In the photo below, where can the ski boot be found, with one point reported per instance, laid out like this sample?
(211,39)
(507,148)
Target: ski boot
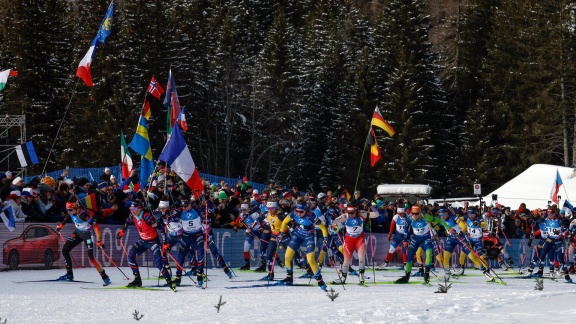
(404,279)
(137,282)
(510,261)
(199,279)
(261,268)
(192,272)
(177,280)
(503,265)
(171,284)
(340,280)
(228,272)
(288,281)
(420,272)
(67,277)
(568,279)
(309,274)
(486,273)
(384,265)
(352,271)
(268,277)
(321,284)
(427,275)
(362,281)
(246,266)
(105,278)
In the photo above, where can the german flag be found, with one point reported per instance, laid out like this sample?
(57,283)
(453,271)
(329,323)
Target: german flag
(375,153)
(378,121)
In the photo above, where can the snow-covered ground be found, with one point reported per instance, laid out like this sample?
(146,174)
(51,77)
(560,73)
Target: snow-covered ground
(470,299)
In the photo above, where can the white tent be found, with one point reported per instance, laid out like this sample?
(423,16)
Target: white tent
(534,187)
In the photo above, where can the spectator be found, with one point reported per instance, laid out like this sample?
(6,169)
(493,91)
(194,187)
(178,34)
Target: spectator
(106,175)
(113,181)
(28,206)
(15,200)
(5,191)
(17,184)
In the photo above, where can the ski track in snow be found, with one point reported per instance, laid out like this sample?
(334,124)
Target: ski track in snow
(475,300)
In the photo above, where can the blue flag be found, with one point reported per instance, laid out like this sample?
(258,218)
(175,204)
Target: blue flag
(106,25)
(8,221)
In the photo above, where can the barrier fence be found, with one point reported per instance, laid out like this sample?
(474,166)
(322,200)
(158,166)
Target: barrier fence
(93,174)
(38,245)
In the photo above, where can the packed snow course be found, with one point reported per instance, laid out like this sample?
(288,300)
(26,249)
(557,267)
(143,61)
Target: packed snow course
(470,298)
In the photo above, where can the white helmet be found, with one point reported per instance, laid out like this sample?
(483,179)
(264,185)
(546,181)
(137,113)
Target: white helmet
(321,196)
(271,204)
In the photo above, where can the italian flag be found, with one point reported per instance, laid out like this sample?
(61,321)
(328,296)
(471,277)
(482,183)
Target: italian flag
(125,157)
(4,77)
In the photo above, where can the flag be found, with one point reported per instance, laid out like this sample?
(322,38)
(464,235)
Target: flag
(182,120)
(26,154)
(378,121)
(4,77)
(83,71)
(155,89)
(8,221)
(146,168)
(375,153)
(125,157)
(171,102)
(556,188)
(146,112)
(141,142)
(91,176)
(568,209)
(90,202)
(177,155)
(348,196)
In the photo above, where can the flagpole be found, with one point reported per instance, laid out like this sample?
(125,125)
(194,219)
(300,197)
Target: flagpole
(60,127)
(361,160)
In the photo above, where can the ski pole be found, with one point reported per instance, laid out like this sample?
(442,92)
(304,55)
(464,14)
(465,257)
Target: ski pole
(112,261)
(481,259)
(337,272)
(123,247)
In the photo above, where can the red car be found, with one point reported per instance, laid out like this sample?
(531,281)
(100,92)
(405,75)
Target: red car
(38,244)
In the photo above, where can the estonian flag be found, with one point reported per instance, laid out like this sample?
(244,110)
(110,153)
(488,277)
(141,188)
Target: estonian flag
(8,221)
(26,154)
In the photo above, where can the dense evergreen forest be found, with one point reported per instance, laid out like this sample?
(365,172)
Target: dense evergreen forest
(285,90)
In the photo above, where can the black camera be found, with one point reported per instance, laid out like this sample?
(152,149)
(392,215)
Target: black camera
(494,197)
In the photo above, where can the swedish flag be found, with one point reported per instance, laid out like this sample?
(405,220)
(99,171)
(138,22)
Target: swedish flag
(141,142)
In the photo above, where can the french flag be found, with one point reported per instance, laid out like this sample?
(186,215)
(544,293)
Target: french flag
(83,71)
(556,188)
(177,155)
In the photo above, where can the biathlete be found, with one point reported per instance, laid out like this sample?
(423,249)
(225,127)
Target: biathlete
(85,225)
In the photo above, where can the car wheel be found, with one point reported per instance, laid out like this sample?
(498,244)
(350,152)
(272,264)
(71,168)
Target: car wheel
(48,259)
(13,260)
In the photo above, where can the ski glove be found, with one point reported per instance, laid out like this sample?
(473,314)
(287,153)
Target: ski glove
(101,245)
(529,243)
(166,246)
(59,227)
(120,233)
(405,243)
(390,237)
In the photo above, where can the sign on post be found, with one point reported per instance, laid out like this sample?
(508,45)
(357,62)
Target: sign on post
(477,189)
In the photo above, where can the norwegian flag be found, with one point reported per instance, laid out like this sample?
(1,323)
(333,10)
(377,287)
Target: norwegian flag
(155,89)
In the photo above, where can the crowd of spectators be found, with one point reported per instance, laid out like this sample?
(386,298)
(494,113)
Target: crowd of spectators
(43,200)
